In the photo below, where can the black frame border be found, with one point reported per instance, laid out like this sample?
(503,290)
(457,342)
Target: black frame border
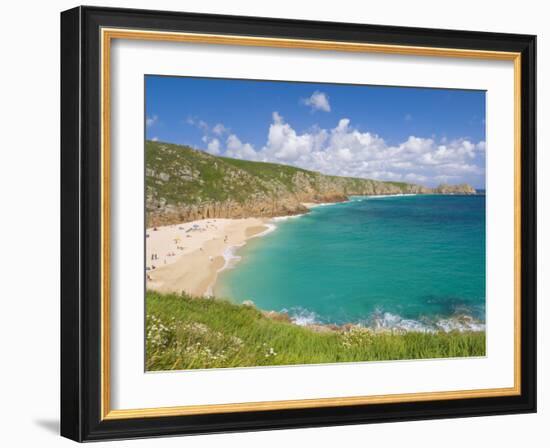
(81,223)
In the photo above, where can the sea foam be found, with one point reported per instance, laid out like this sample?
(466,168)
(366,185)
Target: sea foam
(270,228)
(285,218)
(376,196)
(391,321)
(229,254)
(301,316)
(385,321)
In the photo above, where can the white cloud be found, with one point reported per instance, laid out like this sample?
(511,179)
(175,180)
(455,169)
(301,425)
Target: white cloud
(238,150)
(284,144)
(150,121)
(346,151)
(415,178)
(155,139)
(213,147)
(200,124)
(317,101)
(219,129)
(480,147)
(210,135)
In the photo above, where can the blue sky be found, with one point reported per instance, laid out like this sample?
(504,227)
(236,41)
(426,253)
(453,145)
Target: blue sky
(427,136)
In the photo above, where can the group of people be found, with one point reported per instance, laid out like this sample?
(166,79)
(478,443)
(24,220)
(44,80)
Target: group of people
(179,247)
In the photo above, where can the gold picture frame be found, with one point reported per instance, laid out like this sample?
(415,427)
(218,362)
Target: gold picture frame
(106,32)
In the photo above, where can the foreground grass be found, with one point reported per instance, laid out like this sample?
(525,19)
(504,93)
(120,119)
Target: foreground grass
(194,333)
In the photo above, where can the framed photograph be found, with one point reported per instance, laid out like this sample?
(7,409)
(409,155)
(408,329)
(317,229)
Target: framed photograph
(277,224)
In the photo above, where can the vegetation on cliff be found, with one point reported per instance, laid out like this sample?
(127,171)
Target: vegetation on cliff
(183,332)
(183,184)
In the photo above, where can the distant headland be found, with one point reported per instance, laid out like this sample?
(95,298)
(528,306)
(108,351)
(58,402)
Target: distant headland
(184,184)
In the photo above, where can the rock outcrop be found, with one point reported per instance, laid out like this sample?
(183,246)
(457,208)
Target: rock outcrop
(454,189)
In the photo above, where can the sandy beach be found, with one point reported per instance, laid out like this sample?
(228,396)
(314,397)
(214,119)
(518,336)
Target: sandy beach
(187,257)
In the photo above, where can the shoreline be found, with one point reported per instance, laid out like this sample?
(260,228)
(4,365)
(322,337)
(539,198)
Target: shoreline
(231,259)
(191,256)
(386,322)
(188,257)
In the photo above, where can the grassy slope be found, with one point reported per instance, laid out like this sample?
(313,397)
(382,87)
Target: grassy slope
(196,177)
(189,333)
(270,172)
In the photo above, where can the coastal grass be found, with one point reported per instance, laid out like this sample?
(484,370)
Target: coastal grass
(177,174)
(184,332)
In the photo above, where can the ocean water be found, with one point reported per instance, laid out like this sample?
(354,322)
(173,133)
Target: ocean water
(411,262)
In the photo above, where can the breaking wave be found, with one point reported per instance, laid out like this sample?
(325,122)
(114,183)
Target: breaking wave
(391,321)
(375,196)
(301,316)
(385,321)
(285,218)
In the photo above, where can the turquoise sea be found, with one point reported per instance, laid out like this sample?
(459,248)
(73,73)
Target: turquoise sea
(410,262)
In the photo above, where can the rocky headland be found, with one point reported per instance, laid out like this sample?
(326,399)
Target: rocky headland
(183,184)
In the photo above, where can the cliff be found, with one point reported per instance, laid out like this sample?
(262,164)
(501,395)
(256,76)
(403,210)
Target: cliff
(454,189)
(183,184)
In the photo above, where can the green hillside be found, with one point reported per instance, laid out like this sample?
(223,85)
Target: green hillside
(184,184)
(183,332)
